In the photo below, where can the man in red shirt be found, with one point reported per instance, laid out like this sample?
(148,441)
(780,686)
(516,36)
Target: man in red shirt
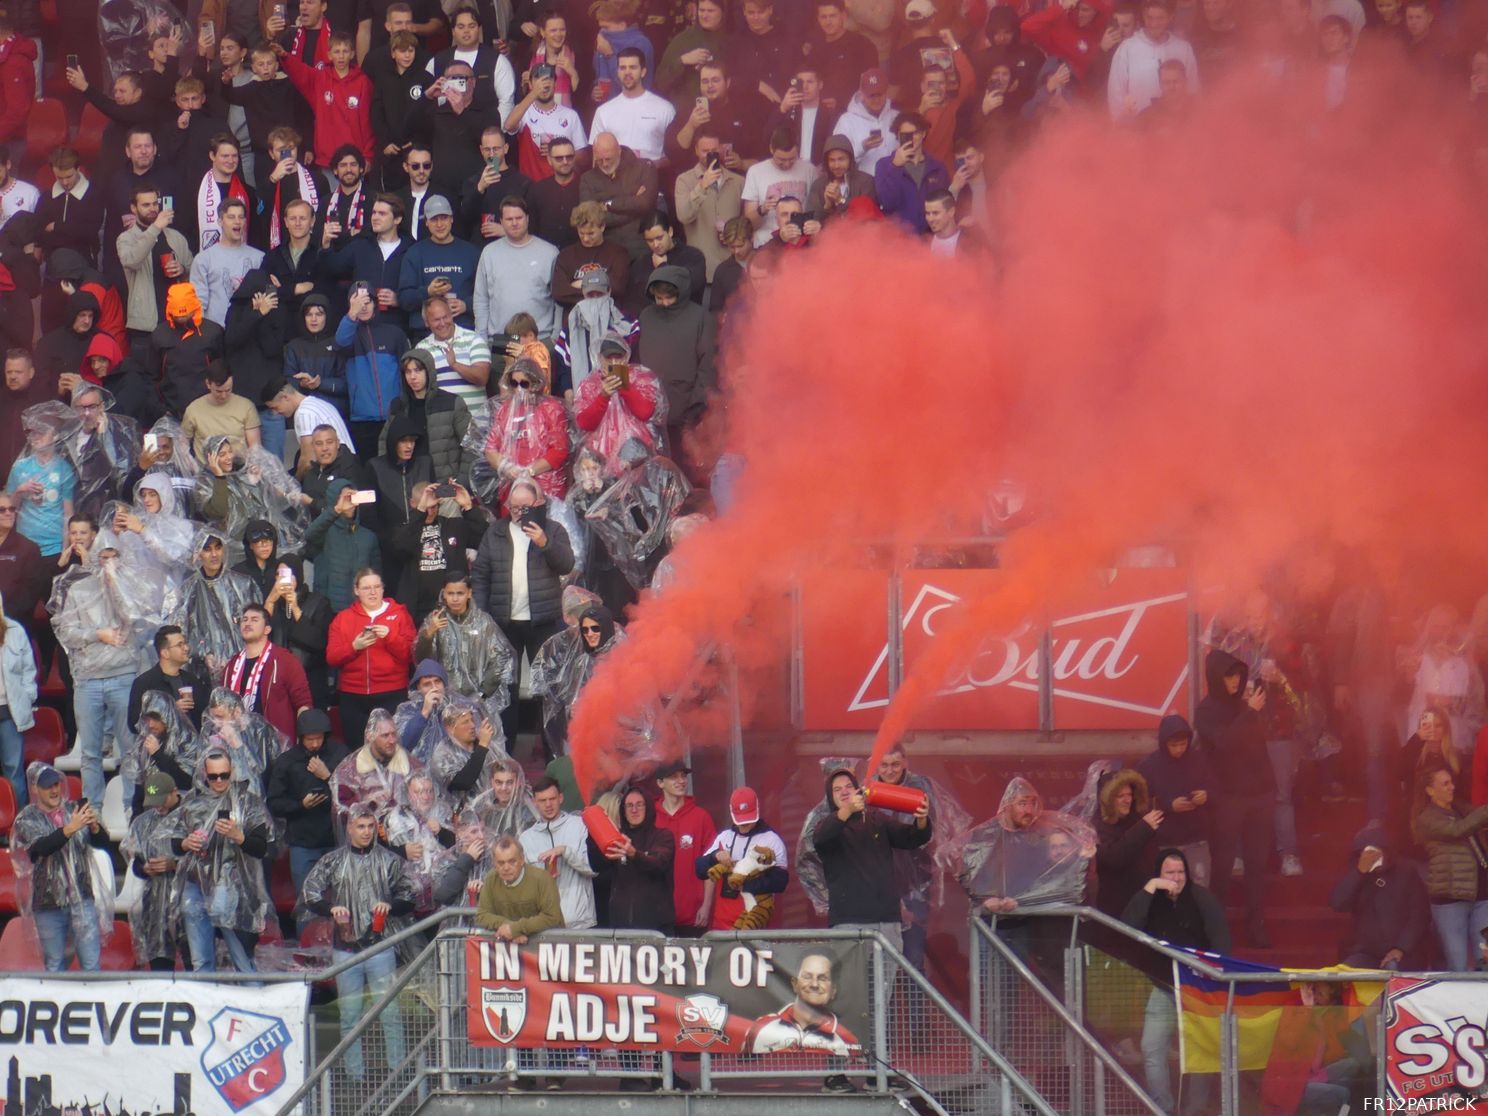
(270,679)
(693,831)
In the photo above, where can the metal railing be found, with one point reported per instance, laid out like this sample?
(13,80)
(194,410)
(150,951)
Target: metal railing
(918,1044)
(1072,987)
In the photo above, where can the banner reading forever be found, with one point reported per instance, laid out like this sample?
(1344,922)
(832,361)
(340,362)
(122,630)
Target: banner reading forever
(726,997)
(151,1046)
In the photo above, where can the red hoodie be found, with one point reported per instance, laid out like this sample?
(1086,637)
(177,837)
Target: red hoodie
(342,107)
(110,311)
(1057,32)
(104,346)
(17,85)
(693,831)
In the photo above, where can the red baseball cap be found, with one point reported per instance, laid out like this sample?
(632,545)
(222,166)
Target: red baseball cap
(873,81)
(744,806)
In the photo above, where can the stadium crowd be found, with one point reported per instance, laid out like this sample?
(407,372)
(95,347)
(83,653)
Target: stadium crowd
(368,359)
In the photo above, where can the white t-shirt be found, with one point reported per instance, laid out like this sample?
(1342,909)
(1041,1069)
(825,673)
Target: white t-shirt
(767,182)
(17,197)
(945,245)
(559,121)
(639,123)
(521,604)
(313,412)
(810,118)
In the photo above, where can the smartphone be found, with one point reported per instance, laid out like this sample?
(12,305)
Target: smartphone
(714,160)
(623,371)
(167,201)
(82,802)
(223,815)
(797,219)
(152,442)
(876,134)
(960,163)
(361,286)
(458,84)
(444,491)
(702,102)
(368,630)
(795,84)
(364,496)
(73,63)
(286,575)
(278,11)
(494,162)
(283,153)
(211,30)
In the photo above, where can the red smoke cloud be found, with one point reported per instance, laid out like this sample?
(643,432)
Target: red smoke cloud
(1247,339)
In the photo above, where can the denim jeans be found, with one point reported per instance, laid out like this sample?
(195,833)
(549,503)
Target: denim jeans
(12,755)
(1285,756)
(357,989)
(301,860)
(201,936)
(1159,1028)
(101,705)
(57,928)
(271,431)
(1459,926)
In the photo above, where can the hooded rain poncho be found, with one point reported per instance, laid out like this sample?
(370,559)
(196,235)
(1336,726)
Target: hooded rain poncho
(620,424)
(359,879)
(565,663)
(110,594)
(104,458)
(477,655)
(633,517)
(448,759)
(231,881)
(69,879)
(155,921)
(210,607)
(164,541)
(521,426)
(499,818)
(258,488)
(251,742)
(363,777)
(1042,863)
(178,741)
(420,815)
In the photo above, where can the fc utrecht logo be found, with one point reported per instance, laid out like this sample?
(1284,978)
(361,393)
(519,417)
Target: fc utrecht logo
(504,1010)
(244,1061)
(702,1018)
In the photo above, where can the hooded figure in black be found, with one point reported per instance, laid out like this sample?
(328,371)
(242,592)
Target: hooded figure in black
(394,473)
(857,854)
(1006,47)
(18,240)
(1176,911)
(1232,736)
(641,875)
(677,343)
(1389,905)
(261,570)
(253,342)
(1183,786)
(74,267)
(311,361)
(63,349)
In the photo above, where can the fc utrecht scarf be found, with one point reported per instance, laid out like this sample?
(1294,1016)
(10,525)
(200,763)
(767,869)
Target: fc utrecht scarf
(255,676)
(209,207)
(322,57)
(307,193)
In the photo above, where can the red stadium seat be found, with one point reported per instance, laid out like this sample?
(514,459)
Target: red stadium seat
(117,955)
(7,808)
(75,788)
(45,740)
(9,903)
(89,137)
(42,178)
(281,887)
(334,712)
(20,952)
(46,128)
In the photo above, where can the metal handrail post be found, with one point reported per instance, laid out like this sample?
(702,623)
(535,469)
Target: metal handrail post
(798,662)
(975,991)
(880,1021)
(894,668)
(1046,681)
(1229,1057)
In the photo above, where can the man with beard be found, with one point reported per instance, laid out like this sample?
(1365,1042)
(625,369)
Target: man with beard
(299,791)
(269,679)
(346,210)
(376,772)
(23,387)
(212,599)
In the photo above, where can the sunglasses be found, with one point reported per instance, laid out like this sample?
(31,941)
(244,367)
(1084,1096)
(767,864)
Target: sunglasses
(218,776)
(590,628)
(521,383)
(420,166)
(563,158)
(7,509)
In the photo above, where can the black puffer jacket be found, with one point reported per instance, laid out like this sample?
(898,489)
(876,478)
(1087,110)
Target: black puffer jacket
(545,566)
(442,418)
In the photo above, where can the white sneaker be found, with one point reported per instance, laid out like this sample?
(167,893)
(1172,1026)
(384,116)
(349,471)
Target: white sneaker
(1238,870)
(1290,865)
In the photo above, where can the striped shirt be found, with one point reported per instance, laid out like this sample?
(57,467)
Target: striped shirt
(470,348)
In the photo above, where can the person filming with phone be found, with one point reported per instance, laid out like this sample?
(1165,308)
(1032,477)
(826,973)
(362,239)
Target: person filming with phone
(908,176)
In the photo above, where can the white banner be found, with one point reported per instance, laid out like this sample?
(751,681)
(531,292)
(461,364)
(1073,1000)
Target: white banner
(158,1046)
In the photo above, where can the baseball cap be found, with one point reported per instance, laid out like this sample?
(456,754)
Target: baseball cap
(873,82)
(49,778)
(837,143)
(744,806)
(312,721)
(258,531)
(595,279)
(543,70)
(667,770)
(437,206)
(158,788)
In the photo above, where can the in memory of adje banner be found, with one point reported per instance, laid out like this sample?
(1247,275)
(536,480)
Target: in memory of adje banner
(726,997)
(151,1046)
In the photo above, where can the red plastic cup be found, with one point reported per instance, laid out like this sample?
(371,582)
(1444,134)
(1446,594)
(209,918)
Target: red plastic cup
(379,920)
(891,796)
(472,893)
(166,260)
(553,867)
(600,828)
(604,88)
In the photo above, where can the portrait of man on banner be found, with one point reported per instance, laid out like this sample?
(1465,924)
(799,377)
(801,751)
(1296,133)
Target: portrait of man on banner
(807,1022)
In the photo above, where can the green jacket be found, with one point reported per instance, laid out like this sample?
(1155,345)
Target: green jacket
(339,547)
(530,905)
(1452,870)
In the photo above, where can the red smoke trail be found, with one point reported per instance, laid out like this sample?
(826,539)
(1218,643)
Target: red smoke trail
(1249,340)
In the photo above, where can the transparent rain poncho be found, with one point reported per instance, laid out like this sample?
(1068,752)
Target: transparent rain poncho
(634,515)
(666,569)
(564,664)
(364,777)
(920,873)
(210,607)
(250,740)
(589,484)
(110,594)
(620,424)
(1086,804)
(155,921)
(359,879)
(163,540)
(504,808)
(102,458)
(1039,863)
(417,820)
(69,879)
(258,487)
(176,462)
(162,723)
(476,655)
(231,882)
(521,426)
(448,758)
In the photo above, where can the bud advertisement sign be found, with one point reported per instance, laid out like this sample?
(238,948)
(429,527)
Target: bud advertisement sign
(725,997)
(1436,1044)
(118,1047)
(1119,653)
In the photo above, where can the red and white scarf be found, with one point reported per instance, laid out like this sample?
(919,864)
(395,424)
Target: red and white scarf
(234,676)
(322,57)
(209,207)
(307,193)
